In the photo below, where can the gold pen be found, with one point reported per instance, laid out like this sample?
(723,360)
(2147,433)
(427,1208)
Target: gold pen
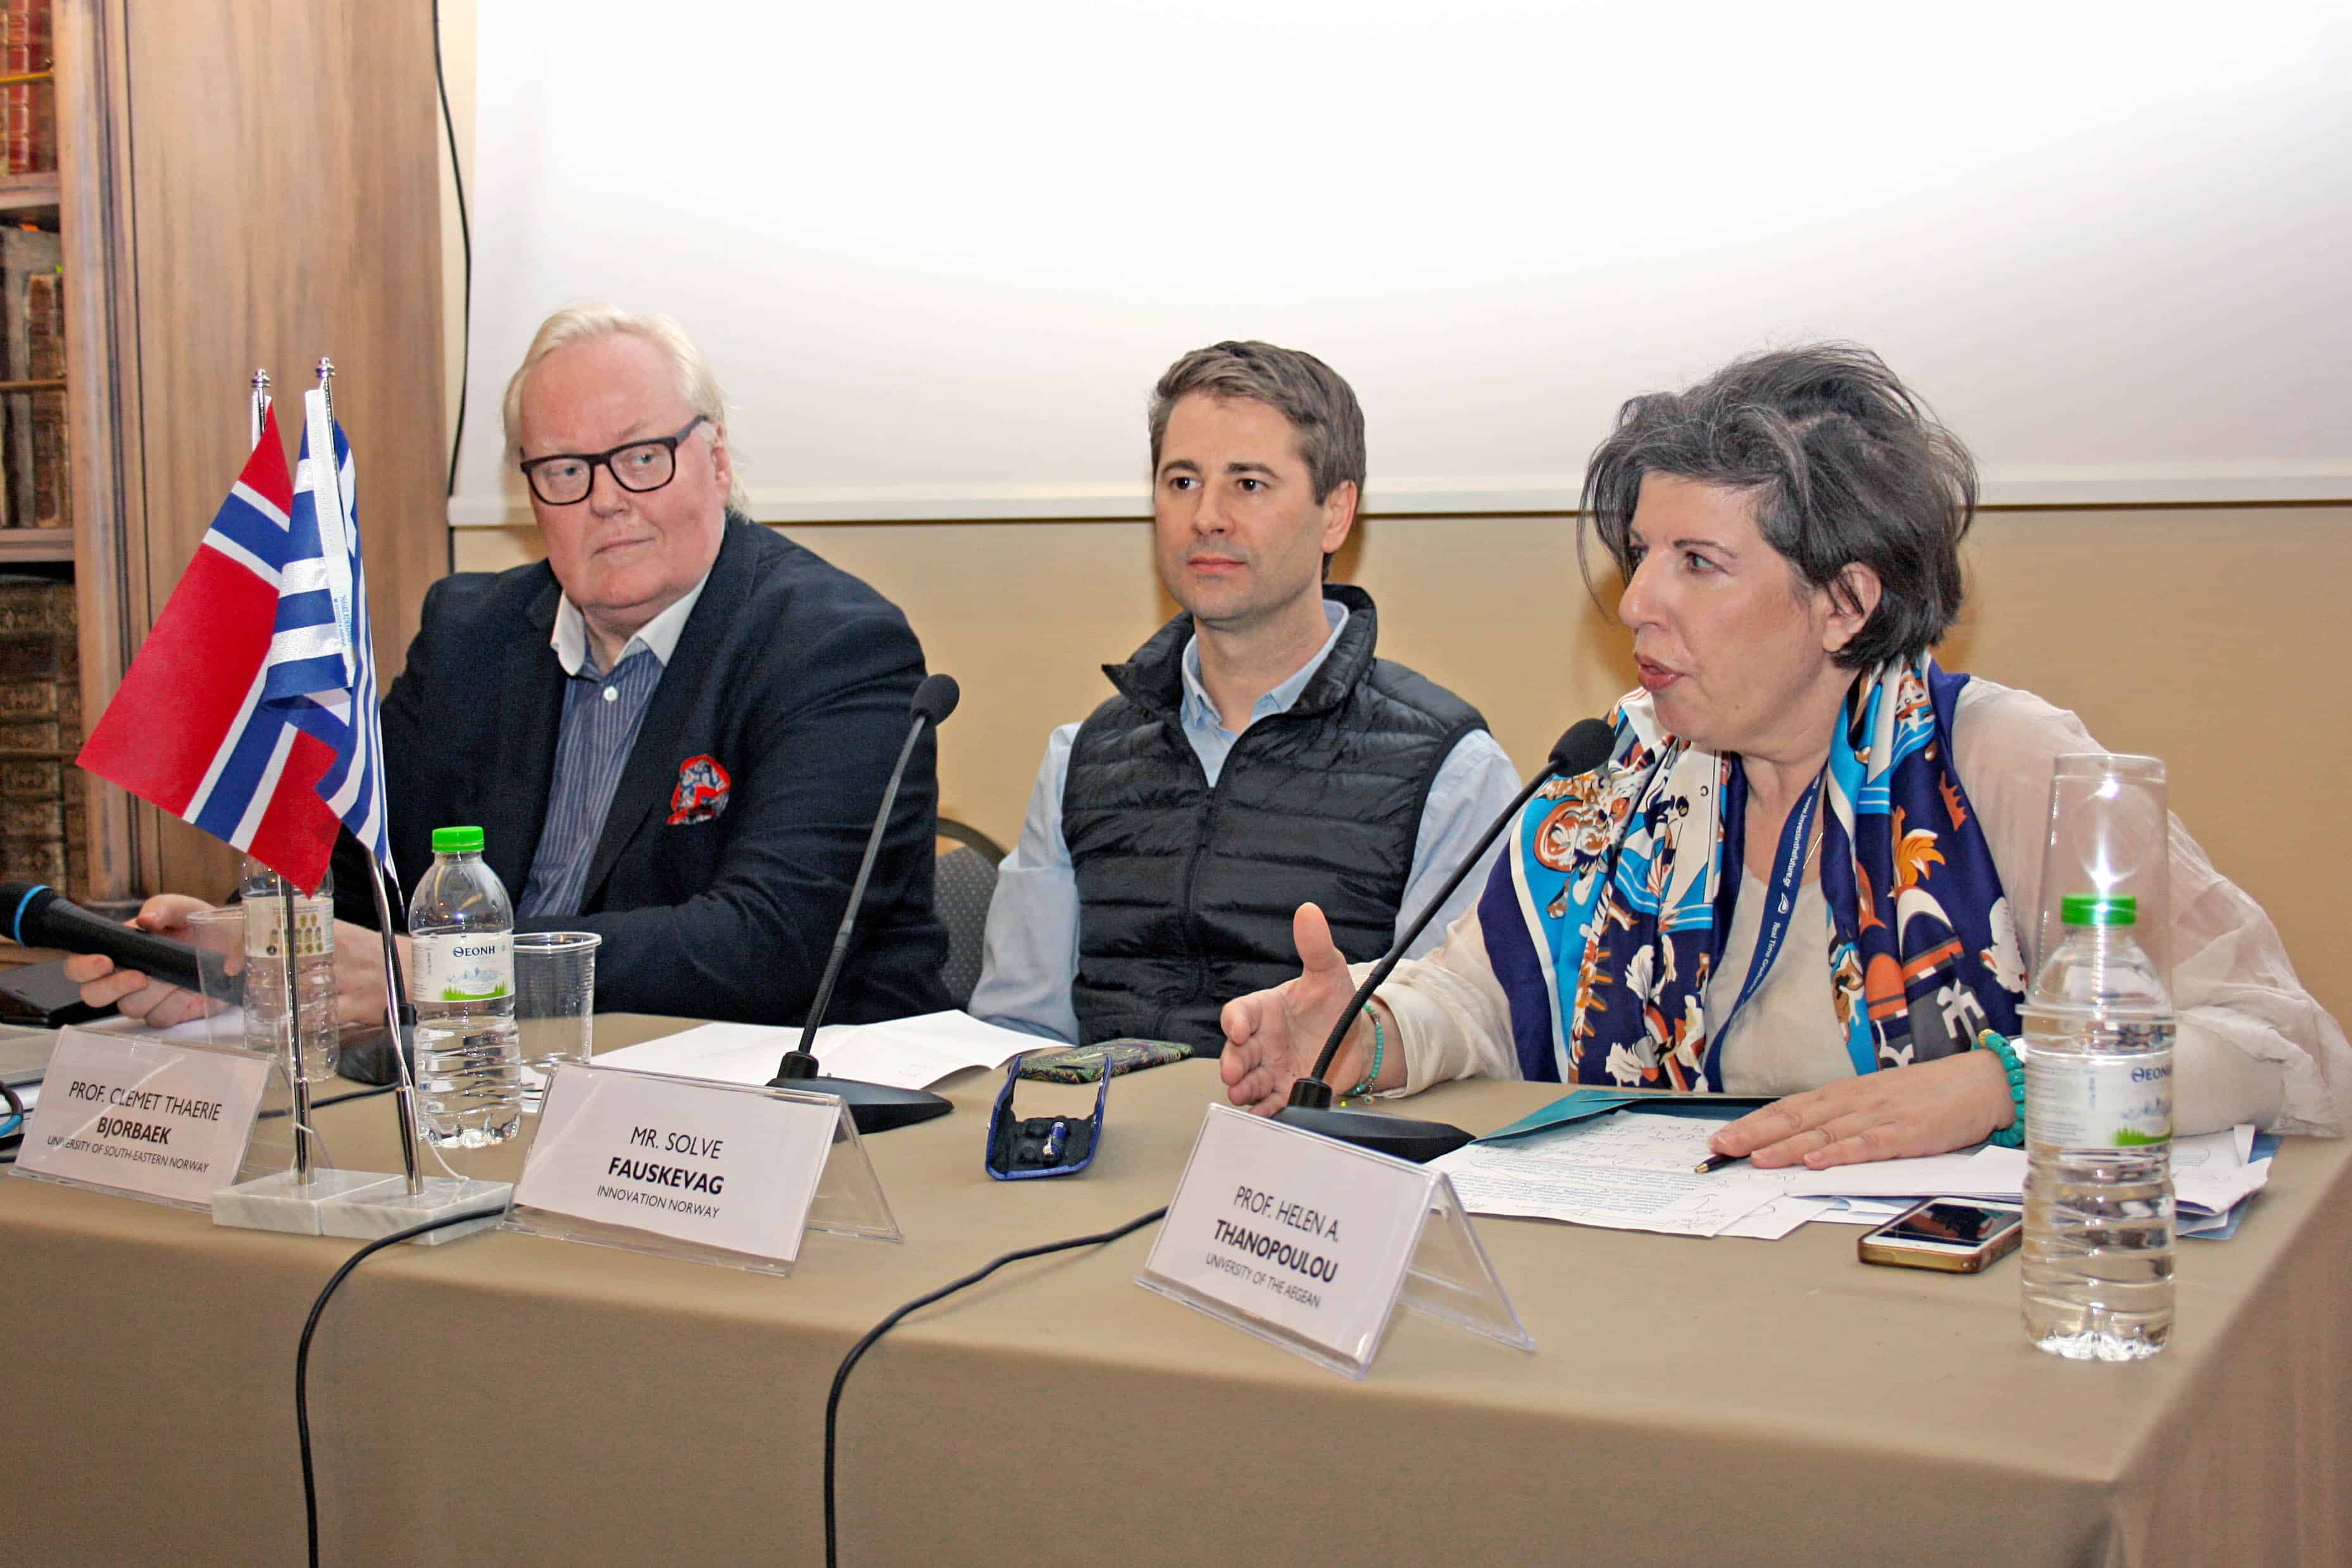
(1714,1163)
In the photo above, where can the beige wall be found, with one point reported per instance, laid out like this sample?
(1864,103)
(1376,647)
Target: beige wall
(2192,635)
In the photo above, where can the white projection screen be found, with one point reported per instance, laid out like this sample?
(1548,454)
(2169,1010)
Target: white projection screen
(939,252)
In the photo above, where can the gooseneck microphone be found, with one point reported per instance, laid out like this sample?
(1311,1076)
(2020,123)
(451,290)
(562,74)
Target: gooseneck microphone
(1584,748)
(38,916)
(874,1107)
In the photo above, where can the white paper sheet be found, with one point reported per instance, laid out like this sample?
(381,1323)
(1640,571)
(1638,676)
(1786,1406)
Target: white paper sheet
(1936,1175)
(1623,1172)
(1634,1172)
(2210,1173)
(905,1053)
(1781,1217)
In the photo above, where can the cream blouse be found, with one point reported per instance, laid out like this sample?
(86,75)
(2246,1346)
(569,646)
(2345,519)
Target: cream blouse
(2253,1046)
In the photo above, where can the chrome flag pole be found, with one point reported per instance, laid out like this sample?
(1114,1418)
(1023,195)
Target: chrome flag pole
(288,939)
(399,1017)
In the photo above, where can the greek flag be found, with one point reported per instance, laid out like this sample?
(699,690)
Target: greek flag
(320,674)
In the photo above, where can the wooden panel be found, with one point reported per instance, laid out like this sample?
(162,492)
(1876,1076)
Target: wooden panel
(286,206)
(103,376)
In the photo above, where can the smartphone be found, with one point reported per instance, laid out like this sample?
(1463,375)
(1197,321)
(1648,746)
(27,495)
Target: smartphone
(1086,1063)
(1957,1235)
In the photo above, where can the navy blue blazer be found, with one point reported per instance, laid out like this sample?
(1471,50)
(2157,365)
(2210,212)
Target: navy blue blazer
(716,889)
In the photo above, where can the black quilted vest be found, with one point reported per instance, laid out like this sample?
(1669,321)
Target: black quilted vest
(1185,892)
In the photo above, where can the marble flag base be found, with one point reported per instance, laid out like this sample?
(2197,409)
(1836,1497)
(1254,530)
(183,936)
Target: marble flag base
(285,1203)
(384,1209)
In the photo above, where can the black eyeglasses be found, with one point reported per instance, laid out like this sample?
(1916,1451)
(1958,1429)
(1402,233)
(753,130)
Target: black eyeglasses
(565,479)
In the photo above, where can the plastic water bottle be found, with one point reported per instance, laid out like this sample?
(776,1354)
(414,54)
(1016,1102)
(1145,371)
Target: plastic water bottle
(461,937)
(265,948)
(2098,1132)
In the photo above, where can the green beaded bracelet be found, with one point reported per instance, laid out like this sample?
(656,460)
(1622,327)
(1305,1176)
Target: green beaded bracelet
(1380,1050)
(2014,1135)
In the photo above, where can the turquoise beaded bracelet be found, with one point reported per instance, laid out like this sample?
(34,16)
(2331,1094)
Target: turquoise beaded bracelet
(1380,1050)
(2014,1135)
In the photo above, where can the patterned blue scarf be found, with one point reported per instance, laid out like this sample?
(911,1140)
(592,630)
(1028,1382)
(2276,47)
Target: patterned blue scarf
(1604,917)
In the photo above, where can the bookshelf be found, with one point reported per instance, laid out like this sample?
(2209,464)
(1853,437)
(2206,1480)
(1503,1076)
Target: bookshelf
(241,183)
(43,801)
(30,193)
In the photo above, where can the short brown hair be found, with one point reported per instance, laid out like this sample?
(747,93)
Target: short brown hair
(1319,405)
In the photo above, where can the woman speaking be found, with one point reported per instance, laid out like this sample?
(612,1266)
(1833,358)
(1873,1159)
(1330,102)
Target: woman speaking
(1718,909)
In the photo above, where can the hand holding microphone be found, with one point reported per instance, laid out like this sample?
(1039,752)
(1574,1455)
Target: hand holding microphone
(109,973)
(129,991)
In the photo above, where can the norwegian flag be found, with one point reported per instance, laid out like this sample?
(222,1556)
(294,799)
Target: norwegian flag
(196,726)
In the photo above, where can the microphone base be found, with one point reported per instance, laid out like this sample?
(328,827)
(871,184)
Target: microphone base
(1401,1137)
(874,1107)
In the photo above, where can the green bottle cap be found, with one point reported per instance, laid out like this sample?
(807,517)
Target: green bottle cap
(2074,909)
(468,841)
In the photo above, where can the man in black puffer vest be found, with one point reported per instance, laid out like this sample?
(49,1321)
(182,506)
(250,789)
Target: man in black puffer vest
(1256,755)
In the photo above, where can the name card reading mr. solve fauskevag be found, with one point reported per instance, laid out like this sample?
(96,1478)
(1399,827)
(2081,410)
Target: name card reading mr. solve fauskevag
(1310,1244)
(152,1118)
(714,1172)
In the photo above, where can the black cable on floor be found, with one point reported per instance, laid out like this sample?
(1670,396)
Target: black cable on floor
(466,242)
(302,1359)
(841,1375)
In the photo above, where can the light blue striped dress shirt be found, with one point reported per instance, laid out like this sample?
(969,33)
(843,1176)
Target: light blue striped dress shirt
(601,715)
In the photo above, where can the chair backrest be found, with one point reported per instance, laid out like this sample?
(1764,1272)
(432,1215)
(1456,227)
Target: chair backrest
(951,831)
(961,885)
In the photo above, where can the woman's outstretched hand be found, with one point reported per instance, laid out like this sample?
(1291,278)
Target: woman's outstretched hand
(1273,1037)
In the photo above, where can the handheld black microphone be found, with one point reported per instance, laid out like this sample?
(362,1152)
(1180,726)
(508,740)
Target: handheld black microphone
(1584,748)
(41,916)
(874,1107)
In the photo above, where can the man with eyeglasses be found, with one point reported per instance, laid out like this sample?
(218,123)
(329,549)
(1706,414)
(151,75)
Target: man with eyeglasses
(674,732)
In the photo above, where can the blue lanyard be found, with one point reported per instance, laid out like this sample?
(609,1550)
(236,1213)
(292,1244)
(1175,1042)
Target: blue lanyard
(1780,904)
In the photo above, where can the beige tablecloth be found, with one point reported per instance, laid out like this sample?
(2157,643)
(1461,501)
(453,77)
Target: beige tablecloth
(510,1398)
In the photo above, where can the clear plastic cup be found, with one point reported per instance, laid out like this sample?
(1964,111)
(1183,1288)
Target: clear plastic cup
(555,993)
(222,931)
(2110,835)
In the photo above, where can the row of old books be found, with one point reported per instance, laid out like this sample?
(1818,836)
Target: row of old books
(35,492)
(44,819)
(28,116)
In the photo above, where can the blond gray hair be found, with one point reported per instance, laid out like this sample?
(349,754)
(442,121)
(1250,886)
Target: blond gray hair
(587,323)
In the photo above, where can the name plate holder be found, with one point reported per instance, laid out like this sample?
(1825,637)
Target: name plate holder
(1311,1244)
(161,1121)
(724,1174)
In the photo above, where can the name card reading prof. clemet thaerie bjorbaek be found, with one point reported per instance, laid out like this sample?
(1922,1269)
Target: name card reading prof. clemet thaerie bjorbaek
(145,1116)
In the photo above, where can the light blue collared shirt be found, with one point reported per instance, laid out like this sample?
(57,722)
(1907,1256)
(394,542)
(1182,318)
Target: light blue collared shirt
(1032,953)
(602,711)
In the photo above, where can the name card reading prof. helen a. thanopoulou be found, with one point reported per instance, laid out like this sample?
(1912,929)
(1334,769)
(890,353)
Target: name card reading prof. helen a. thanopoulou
(1311,1244)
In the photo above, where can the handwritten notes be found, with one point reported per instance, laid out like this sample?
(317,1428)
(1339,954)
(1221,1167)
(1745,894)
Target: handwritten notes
(1624,1172)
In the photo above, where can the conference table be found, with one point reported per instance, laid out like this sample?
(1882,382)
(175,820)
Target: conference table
(511,1398)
